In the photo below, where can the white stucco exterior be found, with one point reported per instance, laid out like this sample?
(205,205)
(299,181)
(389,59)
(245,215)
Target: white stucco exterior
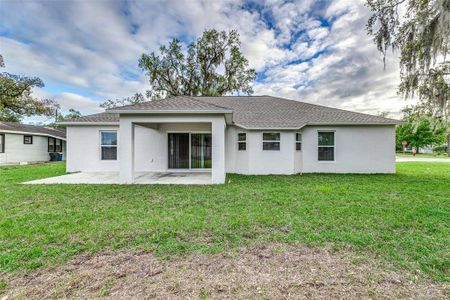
(18,152)
(143,147)
(358,149)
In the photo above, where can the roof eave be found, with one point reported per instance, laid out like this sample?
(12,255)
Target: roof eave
(87,123)
(268,128)
(32,133)
(352,123)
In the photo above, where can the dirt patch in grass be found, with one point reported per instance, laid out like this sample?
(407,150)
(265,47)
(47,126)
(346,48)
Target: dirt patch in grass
(272,272)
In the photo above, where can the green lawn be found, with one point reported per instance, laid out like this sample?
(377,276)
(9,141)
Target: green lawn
(403,220)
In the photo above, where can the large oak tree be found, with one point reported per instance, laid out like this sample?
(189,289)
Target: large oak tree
(420,31)
(16,99)
(213,65)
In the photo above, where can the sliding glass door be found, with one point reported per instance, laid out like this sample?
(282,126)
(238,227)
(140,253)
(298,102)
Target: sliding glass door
(201,150)
(179,150)
(190,150)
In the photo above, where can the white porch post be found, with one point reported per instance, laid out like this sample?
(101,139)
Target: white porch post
(126,151)
(218,150)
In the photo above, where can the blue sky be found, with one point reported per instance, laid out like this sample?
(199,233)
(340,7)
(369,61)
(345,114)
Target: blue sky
(87,51)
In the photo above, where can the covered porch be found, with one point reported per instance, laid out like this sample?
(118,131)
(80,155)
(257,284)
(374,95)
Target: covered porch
(180,148)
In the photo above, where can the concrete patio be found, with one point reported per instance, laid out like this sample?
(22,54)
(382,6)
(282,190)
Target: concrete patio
(141,178)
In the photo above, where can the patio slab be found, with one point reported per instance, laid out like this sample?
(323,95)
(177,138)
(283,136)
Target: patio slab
(141,178)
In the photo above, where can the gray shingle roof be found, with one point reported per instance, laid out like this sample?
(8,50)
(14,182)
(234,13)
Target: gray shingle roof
(18,127)
(274,112)
(251,111)
(103,117)
(179,103)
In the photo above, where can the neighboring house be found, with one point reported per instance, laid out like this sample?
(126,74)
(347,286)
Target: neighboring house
(20,143)
(231,134)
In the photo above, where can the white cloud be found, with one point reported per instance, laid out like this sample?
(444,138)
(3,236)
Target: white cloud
(94,46)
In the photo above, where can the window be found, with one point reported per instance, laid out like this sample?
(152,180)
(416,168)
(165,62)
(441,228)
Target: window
(51,144)
(326,145)
(28,139)
(271,141)
(242,141)
(108,145)
(298,141)
(58,145)
(54,145)
(2,143)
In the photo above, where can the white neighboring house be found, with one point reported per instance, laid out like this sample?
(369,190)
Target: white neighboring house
(230,134)
(21,143)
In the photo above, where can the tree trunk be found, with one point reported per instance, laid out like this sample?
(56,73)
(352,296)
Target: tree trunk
(448,144)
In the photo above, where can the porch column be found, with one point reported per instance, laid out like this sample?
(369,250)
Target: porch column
(218,150)
(126,151)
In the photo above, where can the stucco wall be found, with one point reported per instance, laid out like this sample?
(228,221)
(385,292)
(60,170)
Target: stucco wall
(16,151)
(83,149)
(359,149)
(150,147)
(255,160)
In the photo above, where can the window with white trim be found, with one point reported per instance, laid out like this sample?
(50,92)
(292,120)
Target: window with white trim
(298,141)
(271,141)
(242,141)
(108,145)
(326,145)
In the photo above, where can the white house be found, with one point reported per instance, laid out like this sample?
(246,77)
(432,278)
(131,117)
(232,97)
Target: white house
(20,143)
(231,134)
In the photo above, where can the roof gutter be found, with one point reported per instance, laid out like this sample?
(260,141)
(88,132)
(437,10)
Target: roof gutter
(88,123)
(317,124)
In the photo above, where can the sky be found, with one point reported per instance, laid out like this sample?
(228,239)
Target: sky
(87,51)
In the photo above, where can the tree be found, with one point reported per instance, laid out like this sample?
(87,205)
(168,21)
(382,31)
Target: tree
(135,99)
(422,36)
(212,66)
(72,114)
(16,100)
(420,131)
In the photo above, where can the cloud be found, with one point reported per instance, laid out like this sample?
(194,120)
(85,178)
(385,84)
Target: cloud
(83,104)
(308,50)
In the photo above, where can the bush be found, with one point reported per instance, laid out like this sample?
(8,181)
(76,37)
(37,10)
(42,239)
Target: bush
(53,156)
(440,149)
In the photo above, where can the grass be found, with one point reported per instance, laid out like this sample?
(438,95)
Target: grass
(401,219)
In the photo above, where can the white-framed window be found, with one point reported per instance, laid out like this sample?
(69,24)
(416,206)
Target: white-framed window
(28,139)
(298,141)
(326,145)
(271,141)
(242,141)
(108,145)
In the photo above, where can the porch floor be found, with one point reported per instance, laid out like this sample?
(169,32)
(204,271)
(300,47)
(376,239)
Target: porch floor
(140,178)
